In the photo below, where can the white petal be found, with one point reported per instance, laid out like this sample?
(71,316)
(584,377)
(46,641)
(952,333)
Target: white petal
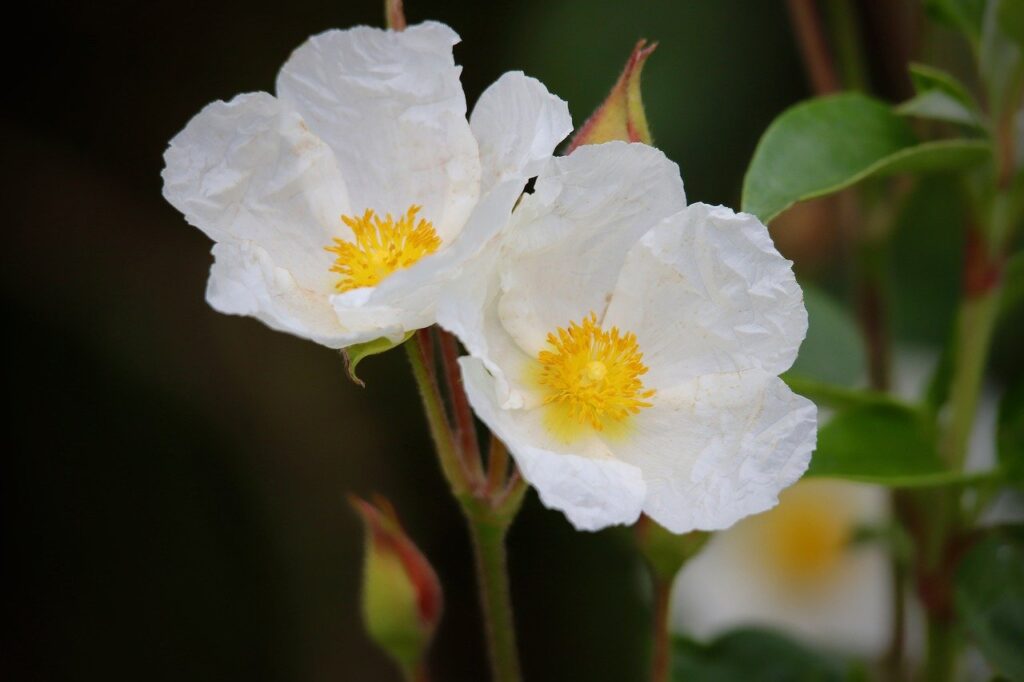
(731,583)
(718,448)
(245,281)
(706,292)
(567,241)
(467,303)
(250,170)
(517,124)
(391,106)
(593,490)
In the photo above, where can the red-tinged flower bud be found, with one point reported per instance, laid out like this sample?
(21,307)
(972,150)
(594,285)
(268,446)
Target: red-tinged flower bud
(621,116)
(402,598)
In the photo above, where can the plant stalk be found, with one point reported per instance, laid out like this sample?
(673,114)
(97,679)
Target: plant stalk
(661,660)
(495,600)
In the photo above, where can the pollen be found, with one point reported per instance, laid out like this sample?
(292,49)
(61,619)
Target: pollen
(591,377)
(382,246)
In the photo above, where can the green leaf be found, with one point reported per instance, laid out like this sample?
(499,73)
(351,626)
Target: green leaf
(940,96)
(833,351)
(925,78)
(353,355)
(939,106)
(888,444)
(839,397)
(752,655)
(963,15)
(1010,433)
(1011,21)
(989,599)
(827,144)
(1000,59)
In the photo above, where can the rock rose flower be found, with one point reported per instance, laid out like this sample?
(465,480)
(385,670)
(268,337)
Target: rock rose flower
(341,204)
(797,568)
(626,347)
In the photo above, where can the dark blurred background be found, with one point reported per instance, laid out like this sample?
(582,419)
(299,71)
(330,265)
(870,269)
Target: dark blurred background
(174,490)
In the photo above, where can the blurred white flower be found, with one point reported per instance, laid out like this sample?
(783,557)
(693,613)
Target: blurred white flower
(794,568)
(626,347)
(339,206)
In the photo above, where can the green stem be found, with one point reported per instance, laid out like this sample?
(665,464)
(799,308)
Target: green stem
(975,325)
(433,407)
(492,576)
(941,652)
(489,518)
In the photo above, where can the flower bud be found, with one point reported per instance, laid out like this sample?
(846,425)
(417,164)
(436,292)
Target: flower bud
(621,116)
(402,599)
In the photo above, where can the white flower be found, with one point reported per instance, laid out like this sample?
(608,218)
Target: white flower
(794,568)
(626,347)
(339,206)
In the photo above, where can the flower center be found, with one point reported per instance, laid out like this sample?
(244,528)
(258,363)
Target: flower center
(381,246)
(804,538)
(592,376)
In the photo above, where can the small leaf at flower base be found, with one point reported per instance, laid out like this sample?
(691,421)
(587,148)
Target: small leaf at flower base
(827,144)
(752,655)
(885,444)
(621,116)
(989,599)
(353,355)
(666,552)
(833,351)
(1010,434)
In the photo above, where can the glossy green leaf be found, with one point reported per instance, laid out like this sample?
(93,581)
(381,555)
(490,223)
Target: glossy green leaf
(752,655)
(1010,434)
(888,444)
(826,144)
(989,599)
(833,351)
(353,355)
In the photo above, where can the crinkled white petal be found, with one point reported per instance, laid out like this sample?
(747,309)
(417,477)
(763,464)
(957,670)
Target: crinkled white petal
(467,303)
(517,124)
(706,292)
(391,107)
(568,240)
(731,583)
(250,170)
(718,448)
(244,280)
(591,488)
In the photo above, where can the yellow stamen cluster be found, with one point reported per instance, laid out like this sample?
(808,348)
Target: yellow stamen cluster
(594,374)
(381,247)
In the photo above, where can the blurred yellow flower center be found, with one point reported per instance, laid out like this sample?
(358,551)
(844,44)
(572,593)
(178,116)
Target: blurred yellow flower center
(806,535)
(381,246)
(591,377)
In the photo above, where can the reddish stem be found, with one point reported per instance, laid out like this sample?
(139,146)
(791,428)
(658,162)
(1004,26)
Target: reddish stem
(817,59)
(465,427)
(662,658)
